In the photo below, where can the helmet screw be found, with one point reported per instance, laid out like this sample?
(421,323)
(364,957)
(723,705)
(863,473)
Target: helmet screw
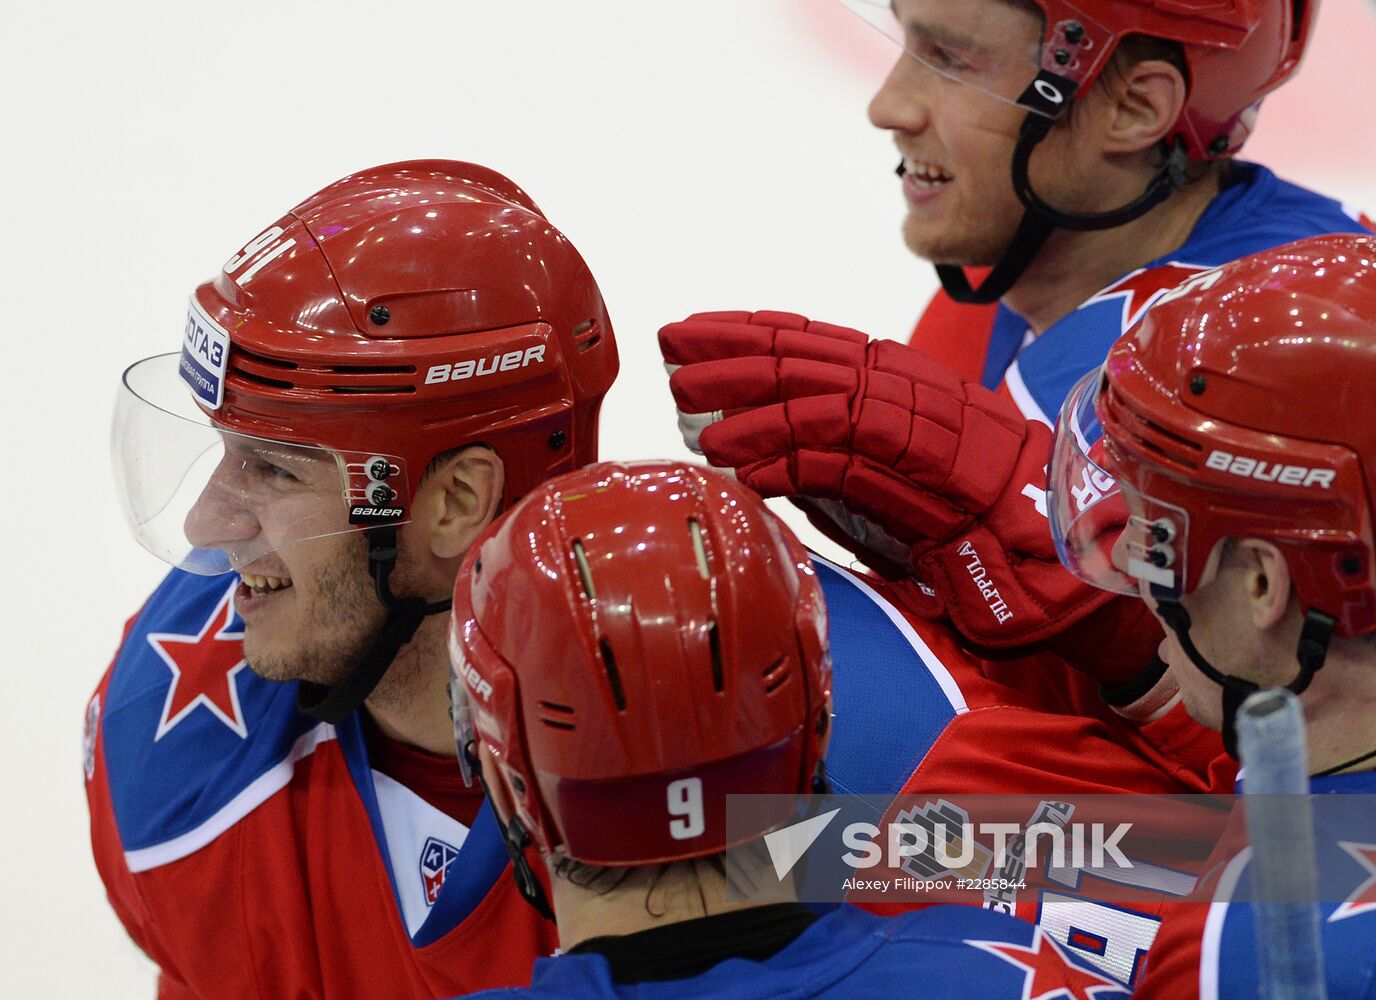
(1197,384)
(1062,57)
(556,440)
(1352,565)
(518,784)
(1074,33)
(1219,146)
(380,315)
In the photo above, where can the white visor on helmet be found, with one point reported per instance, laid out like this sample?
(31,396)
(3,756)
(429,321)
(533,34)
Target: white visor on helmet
(1107,532)
(211,500)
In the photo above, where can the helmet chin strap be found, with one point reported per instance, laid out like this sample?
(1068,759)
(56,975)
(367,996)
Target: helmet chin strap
(1310,651)
(516,838)
(1039,219)
(334,704)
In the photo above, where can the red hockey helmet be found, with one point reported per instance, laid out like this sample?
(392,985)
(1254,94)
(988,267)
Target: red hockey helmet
(402,311)
(632,644)
(1236,52)
(1238,407)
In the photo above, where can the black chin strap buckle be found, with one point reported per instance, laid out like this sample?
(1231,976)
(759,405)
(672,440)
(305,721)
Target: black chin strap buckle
(517,838)
(1312,648)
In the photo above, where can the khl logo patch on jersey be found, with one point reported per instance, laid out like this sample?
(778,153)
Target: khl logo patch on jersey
(435,858)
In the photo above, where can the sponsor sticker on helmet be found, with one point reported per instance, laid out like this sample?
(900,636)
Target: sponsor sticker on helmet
(205,355)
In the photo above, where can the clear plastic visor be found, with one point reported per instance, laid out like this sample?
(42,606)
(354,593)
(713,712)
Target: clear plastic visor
(461,709)
(1107,532)
(210,500)
(957,46)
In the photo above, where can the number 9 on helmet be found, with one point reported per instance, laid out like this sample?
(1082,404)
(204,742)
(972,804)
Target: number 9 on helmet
(630,645)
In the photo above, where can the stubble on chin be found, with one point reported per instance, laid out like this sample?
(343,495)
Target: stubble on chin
(962,249)
(325,642)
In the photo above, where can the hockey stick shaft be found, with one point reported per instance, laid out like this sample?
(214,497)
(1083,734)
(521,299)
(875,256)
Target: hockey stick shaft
(1280,829)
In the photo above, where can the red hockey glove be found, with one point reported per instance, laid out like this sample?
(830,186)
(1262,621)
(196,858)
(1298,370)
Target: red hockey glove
(943,466)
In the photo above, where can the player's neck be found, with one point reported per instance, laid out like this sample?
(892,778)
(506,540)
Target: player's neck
(411,704)
(1074,265)
(1340,708)
(649,897)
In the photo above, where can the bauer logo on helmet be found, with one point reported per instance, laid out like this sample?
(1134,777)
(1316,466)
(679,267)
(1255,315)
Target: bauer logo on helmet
(480,367)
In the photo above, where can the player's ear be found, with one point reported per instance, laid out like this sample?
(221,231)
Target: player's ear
(1144,101)
(1269,586)
(458,498)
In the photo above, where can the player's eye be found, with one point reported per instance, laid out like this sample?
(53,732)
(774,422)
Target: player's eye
(937,56)
(269,470)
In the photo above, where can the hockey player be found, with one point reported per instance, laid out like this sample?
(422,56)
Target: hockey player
(194,762)
(682,657)
(1220,465)
(362,388)
(1083,152)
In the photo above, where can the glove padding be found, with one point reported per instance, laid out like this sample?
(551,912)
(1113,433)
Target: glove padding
(945,467)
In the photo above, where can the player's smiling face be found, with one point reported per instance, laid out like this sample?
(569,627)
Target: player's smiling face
(305,597)
(956,138)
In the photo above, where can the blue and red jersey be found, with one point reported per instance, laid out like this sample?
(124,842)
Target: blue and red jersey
(945,953)
(252,851)
(1210,950)
(993,345)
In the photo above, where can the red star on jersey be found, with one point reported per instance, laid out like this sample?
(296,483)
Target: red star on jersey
(1364,899)
(1140,289)
(1051,975)
(203,668)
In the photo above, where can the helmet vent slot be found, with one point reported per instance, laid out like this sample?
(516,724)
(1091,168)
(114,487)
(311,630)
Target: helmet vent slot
(1184,442)
(775,675)
(275,383)
(368,369)
(564,713)
(1151,436)
(584,570)
(364,390)
(613,675)
(587,335)
(699,550)
(240,353)
(355,380)
(714,646)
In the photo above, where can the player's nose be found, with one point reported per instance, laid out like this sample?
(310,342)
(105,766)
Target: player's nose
(900,103)
(220,517)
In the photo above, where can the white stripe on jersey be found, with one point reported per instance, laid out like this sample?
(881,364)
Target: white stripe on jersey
(262,788)
(930,660)
(1213,925)
(1012,378)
